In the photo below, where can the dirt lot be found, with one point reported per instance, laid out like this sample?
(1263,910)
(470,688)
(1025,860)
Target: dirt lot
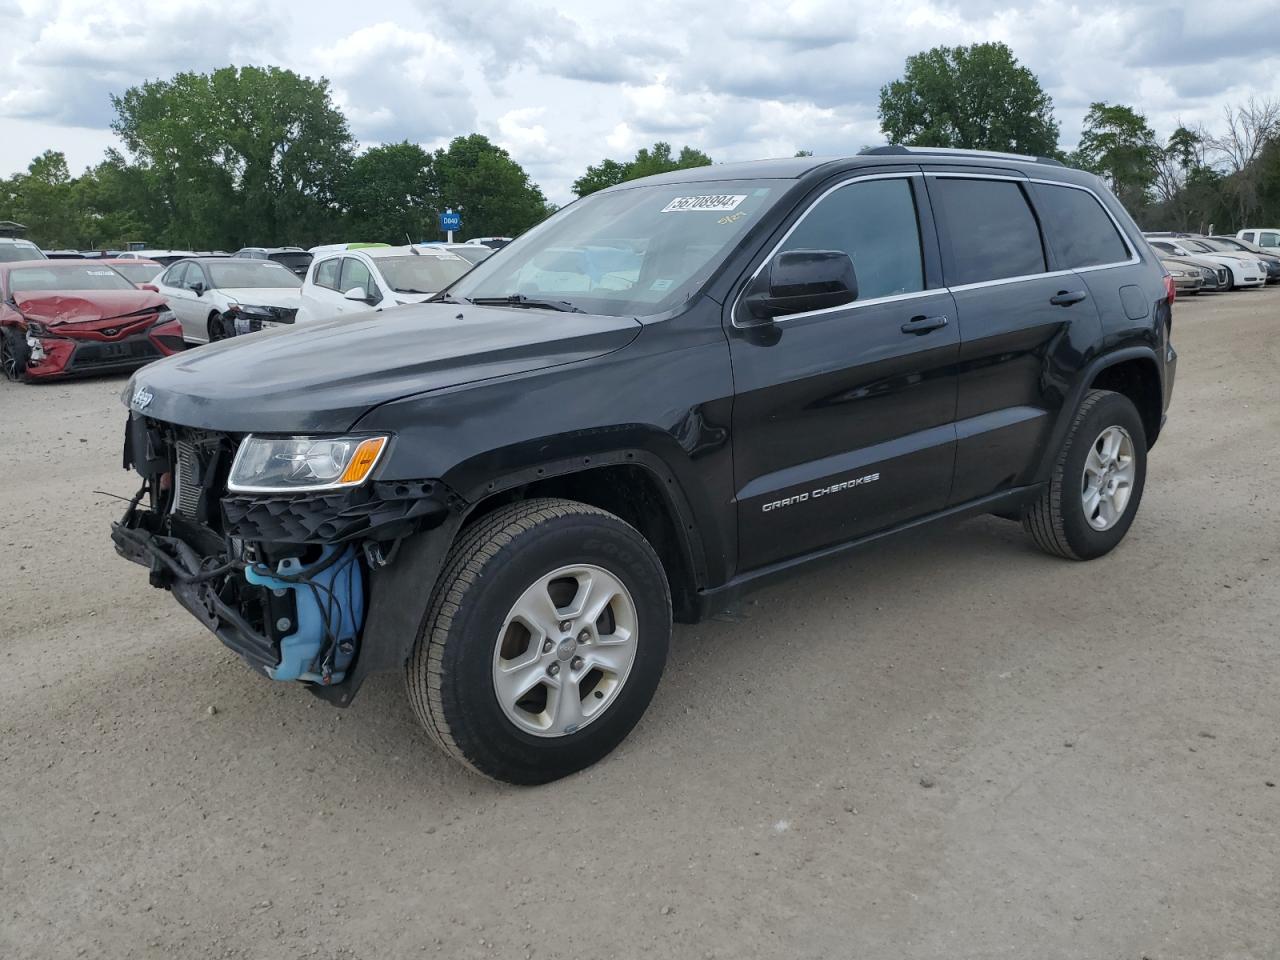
(951,747)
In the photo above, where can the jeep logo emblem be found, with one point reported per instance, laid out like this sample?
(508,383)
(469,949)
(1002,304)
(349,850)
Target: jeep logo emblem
(141,398)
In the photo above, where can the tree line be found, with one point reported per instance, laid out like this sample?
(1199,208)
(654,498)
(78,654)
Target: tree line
(258,155)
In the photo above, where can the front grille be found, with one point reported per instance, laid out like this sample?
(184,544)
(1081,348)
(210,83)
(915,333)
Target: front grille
(104,354)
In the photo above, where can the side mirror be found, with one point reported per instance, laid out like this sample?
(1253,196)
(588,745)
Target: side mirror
(358,294)
(198,288)
(801,280)
(149,286)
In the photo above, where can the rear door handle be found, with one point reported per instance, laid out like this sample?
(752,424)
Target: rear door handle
(1065,298)
(919,325)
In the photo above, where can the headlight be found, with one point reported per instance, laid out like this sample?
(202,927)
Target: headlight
(249,310)
(299,464)
(1176,273)
(164,316)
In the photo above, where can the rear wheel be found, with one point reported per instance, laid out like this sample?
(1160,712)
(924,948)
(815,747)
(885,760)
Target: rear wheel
(544,642)
(13,355)
(1097,481)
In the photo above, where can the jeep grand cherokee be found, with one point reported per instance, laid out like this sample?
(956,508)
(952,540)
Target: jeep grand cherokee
(667,393)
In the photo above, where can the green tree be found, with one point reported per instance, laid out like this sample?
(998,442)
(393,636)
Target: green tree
(241,155)
(976,98)
(1118,145)
(646,162)
(44,199)
(390,193)
(494,193)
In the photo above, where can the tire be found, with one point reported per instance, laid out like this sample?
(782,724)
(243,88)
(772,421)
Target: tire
(13,355)
(1058,521)
(220,328)
(473,633)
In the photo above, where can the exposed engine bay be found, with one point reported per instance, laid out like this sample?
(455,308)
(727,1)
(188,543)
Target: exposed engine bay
(281,580)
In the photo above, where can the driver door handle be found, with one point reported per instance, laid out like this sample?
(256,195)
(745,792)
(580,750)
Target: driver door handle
(920,325)
(1066,298)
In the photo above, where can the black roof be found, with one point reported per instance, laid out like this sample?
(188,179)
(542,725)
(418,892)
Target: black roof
(794,168)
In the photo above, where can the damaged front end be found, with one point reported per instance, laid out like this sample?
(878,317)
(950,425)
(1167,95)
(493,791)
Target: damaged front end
(283,579)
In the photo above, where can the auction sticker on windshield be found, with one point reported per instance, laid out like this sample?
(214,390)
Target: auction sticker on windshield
(718,204)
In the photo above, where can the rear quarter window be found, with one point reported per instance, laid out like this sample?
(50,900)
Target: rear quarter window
(1079,229)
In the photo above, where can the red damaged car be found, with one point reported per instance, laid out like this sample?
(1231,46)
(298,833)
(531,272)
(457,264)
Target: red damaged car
(62,318)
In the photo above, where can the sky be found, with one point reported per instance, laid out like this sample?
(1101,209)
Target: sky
(563,85)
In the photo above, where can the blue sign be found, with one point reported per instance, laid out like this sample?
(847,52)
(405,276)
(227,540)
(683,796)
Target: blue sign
(450,221)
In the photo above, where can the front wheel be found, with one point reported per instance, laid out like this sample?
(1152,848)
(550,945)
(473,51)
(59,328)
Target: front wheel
(221,327)
(1097,481)
(544,641)
(13,355)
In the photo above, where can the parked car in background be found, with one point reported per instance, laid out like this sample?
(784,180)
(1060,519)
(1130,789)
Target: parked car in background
(353,281)
(64,255)
(497,243)
(61,318)
(12,249)
(1233,245)
(1268,238)
(215,298)
(1241,272)
(295,258)
(1187,277)
(137,272)
(473,253)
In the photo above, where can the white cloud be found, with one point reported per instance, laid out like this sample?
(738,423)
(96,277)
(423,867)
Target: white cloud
(396,84)
(562,86)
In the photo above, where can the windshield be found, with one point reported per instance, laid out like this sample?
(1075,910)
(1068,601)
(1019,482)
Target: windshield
(12,252)
(636,251)
(66,278)
(421,274)
(140,272)
(242,274)
(1197,246)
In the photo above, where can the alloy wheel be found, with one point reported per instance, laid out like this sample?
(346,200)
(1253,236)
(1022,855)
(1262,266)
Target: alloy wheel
(1109,473)
(565,650)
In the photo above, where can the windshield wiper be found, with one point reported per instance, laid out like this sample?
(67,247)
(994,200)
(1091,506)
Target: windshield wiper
(520,300)
(410,290)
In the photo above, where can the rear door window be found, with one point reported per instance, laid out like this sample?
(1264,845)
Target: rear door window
(175,276)
(1080,231)
(990,229)
(327,274)
(875,223)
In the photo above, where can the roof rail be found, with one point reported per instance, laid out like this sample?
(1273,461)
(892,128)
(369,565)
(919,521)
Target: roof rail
(895,149)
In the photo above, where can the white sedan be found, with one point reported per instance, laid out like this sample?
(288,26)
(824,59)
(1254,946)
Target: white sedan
(352,281)
(1243,270)
(218,297)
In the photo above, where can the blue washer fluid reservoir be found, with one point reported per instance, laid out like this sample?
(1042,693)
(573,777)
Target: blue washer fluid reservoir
(331,597)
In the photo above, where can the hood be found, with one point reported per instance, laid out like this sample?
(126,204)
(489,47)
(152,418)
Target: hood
(1200,260)
(264,296)
(325,376)
(1187,262)
(87,309)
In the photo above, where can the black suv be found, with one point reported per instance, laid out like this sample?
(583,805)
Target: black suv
(667,393)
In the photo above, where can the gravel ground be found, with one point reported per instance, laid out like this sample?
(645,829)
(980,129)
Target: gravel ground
(952,746)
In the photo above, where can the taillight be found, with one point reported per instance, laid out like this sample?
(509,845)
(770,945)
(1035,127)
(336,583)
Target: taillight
(1170,291)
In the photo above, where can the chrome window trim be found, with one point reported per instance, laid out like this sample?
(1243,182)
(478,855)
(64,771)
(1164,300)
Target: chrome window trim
(1134,257)
(897,175)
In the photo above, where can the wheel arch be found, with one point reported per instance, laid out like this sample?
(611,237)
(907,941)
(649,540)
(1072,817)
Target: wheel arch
(1135,372)
(634,485)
